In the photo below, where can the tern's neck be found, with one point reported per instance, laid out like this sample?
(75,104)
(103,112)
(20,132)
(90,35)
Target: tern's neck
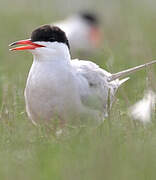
(58,54)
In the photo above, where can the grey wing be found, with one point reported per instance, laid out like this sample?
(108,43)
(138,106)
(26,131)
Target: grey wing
(93,85)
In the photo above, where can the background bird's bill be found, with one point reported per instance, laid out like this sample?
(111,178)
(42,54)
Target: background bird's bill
(95,36)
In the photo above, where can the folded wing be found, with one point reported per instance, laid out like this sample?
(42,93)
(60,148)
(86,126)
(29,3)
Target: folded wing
(94,89)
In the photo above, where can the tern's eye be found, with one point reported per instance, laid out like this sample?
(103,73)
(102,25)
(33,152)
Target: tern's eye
(52,39)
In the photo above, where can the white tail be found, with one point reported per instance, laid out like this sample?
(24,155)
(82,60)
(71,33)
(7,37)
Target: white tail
(129,71)
(123,80)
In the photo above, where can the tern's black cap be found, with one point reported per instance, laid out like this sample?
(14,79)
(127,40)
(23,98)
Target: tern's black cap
(90,18)
(49,34)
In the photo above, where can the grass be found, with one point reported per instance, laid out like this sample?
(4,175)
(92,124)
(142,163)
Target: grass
(119,148)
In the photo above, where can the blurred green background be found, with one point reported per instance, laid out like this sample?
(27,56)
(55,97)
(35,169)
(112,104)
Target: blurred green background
(119,149)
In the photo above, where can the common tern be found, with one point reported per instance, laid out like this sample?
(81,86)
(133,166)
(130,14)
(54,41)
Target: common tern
(58,86)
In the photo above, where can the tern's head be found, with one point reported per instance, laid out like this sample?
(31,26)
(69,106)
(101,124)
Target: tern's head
(44,40)
(91,21)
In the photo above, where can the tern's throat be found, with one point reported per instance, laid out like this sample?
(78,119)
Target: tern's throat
(54,52)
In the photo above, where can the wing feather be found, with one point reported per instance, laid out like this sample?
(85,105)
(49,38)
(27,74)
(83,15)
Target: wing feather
(93,85)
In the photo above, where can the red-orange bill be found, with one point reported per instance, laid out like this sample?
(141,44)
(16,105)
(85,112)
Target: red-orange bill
(95,36)
(29,45)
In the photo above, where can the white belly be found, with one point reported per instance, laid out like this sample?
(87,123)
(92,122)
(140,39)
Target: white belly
(49,94)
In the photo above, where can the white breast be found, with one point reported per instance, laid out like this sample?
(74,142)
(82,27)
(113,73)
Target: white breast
(48,91)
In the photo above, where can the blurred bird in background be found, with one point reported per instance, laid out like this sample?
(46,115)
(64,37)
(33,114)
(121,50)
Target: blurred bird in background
(83,31)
